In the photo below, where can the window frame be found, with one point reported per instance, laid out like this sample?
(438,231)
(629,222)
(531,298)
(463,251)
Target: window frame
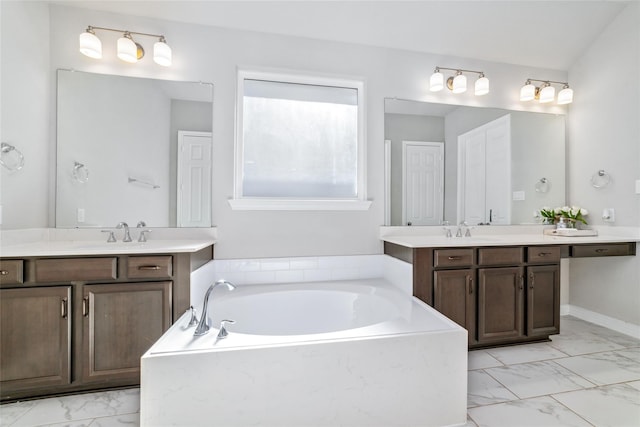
(241,202)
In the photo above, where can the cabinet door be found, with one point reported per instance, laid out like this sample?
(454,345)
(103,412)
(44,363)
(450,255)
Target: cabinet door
(500,304)
(34,338)
(543,300)
(120,322)
(454,296)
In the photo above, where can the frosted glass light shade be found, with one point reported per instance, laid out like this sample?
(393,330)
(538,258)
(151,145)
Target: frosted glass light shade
(565,96)
(482,86)
(528,92)
(127,49)
(459,84)
(162,54)
(90,45)
(547,94)
(436,82)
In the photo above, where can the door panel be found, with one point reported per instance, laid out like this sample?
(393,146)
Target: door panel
(35,335)
(500,303)
(423,183)
(194,179)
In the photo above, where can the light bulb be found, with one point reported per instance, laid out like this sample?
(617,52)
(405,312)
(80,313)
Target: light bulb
(459,83)
(528,92)
(436,82)
(90,44)
(565,96)
(482,86)
(162,53)
(127,49)
(547,93)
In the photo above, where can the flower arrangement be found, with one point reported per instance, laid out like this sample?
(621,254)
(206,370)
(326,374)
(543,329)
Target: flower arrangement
(569,213)
(573,213)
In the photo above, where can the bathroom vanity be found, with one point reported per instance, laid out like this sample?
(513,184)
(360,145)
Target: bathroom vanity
(504,289)
(79,315)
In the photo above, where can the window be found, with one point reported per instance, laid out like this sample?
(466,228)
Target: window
(299,142)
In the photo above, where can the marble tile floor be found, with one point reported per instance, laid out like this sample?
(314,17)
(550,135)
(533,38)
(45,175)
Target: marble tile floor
(586,376)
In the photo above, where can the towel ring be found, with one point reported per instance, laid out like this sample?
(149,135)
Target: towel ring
(10,157)
(543,185)
(600,179)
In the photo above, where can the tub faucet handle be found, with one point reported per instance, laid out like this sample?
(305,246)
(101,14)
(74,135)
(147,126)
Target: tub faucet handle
(222,334)
(194,320)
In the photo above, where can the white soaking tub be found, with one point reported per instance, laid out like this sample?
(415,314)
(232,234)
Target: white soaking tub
(348,353)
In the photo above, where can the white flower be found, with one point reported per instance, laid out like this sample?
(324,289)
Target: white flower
(574,210)
(557,210)
(584,212)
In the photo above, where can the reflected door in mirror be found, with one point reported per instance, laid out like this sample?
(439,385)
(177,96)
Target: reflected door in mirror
(422,182)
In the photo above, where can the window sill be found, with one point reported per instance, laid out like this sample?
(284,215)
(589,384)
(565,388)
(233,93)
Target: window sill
(298,205)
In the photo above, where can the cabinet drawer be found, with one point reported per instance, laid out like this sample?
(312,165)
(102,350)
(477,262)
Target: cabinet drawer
(452,257)
(141,267)
(11,271)
(76,269)
(543,254)
(609,249)
(500,256)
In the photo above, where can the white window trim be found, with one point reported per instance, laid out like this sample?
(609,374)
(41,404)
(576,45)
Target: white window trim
(239,202)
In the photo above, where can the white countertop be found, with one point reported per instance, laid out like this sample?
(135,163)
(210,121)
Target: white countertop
(91,242)
(425,237)
(100,247)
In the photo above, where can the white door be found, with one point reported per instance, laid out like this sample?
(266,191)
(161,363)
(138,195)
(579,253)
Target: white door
(498,172)
(194,179)
(423,181)
(484,173)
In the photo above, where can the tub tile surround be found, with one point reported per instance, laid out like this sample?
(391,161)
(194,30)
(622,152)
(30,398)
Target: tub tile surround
(301,270)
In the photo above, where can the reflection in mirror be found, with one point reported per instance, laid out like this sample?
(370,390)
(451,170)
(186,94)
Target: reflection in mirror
(493,159)
(147,144)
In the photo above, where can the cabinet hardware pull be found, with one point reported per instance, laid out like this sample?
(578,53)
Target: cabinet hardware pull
(533,280)
(521,282)
(470,285)
(543,254)
(64,308)
(149,267)
(455,258)
(601,250)
(3,272)
(85,306)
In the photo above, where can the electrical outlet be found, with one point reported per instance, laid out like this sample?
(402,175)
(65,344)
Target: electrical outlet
(80,214)
(518,195)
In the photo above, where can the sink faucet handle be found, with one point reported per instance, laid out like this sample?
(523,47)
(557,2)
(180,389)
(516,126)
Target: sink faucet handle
(194,320)
(141,224)
(468,232)
(143,235)
(222,334)
(112,236)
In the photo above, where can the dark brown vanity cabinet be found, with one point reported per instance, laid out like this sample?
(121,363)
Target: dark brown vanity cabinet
(35,337)
(82,323)
(500,304)
(454,295)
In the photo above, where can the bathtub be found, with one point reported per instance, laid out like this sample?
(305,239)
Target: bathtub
(352,353)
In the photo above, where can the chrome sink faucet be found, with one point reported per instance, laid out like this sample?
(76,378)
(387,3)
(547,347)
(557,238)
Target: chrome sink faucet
(127,235)
(459,231)
(204,325)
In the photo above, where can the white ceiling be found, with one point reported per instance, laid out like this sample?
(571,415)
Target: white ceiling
(545,34)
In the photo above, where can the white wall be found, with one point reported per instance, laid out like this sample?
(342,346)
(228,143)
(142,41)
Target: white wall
(212,55)
(24,118)
(604,133)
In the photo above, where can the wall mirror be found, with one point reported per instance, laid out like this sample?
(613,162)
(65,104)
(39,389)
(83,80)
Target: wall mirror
(132,149)
(480,165)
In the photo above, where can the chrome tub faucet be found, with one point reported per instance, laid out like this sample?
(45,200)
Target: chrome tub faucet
(205,323)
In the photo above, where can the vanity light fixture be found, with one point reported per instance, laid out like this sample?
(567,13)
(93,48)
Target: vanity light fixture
(128,49)
(458,82)
(545,92)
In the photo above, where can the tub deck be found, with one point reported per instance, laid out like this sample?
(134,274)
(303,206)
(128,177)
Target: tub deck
(406,371)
